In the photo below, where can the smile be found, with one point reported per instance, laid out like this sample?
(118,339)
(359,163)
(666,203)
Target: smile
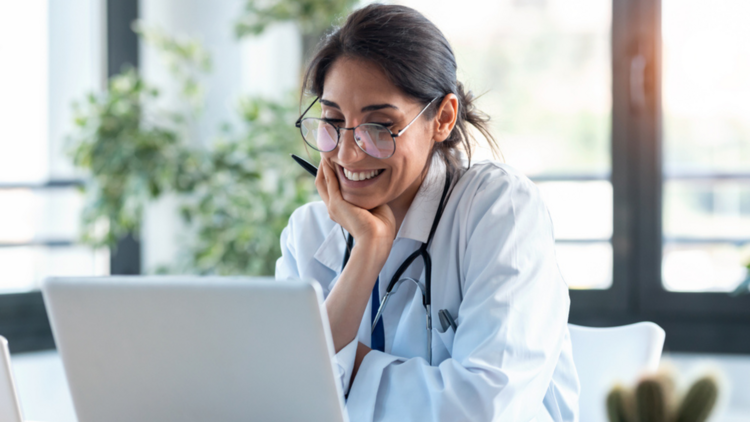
(357,176)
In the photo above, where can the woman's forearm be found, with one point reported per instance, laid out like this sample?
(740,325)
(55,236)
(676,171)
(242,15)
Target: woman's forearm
(348,299)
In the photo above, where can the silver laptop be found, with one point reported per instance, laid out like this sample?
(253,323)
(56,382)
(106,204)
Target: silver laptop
(10,408)
(194,349)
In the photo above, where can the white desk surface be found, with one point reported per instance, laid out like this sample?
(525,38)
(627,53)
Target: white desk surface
(44,393)
(42,387)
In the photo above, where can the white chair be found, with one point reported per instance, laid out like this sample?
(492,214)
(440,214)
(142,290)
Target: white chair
(10,409)
(606,356)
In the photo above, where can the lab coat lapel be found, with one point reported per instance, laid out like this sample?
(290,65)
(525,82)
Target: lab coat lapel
(331,251)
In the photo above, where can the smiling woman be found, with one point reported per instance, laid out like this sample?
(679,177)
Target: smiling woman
(396,175)
(375,171)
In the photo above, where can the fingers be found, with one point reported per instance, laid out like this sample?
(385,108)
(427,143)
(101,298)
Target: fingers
(328,187)
(321,182)
(338,209)
(378,223)
(334,190)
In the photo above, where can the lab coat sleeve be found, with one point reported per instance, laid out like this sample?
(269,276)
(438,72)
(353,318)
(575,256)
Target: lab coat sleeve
(344,364)
(511,322)
(287,267)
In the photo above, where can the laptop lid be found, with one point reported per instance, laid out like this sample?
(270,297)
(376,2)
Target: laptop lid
(10,409)
(194,349)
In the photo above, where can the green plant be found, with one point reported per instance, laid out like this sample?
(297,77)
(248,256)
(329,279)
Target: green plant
(312,18)
(235,197)
(239,210)
(618,404)
(186,60)
(131,159)
(697,404)
(654,400)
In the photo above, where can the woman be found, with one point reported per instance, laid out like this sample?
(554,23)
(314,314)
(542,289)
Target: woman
(394,184)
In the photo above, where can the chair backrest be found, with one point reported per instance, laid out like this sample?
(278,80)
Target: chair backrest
(10,410)
(607,356)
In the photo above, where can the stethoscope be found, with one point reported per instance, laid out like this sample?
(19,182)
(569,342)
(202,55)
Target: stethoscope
(396,279)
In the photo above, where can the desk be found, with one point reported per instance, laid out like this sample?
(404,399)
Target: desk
(44,393)
(42,387)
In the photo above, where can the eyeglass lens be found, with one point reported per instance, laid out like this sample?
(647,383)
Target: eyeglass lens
(373,139)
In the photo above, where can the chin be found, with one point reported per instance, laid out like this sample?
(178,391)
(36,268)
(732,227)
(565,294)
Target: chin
(367,203)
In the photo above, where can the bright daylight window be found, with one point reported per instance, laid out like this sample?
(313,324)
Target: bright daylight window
(706,124)
(545,70)
(49,59)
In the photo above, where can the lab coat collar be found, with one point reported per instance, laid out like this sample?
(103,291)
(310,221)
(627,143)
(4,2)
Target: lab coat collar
(416,225)
(418,220)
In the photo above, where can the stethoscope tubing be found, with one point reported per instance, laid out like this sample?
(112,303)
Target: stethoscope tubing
(422,251)
(427,293)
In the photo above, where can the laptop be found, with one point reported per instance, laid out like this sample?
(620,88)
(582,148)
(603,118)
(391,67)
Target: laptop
(10,408)
(194,349)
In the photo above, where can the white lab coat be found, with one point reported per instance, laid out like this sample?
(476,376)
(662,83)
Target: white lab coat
(493,269)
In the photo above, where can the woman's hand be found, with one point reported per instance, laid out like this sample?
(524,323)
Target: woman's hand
(376,226)
(374,231)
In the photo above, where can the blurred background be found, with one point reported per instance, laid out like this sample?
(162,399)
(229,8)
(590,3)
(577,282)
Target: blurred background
(142,137)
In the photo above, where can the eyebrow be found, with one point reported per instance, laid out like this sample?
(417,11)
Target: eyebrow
(372,107)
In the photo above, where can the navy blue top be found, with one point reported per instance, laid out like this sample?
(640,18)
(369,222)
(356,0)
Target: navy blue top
(377,340)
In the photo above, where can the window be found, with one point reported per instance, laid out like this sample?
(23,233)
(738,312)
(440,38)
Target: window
(630,115)
(706,168)
(53,53)
(542,70)
(50,58)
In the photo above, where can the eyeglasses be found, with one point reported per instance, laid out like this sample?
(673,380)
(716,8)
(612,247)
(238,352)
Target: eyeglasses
(375,139)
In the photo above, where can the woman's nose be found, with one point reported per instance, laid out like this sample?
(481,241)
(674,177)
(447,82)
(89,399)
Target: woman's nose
(348,151)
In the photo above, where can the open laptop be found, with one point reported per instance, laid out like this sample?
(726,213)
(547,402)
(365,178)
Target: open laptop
(194,349)
(10,408)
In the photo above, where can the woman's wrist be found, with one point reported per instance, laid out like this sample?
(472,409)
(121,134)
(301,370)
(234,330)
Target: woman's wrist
(372,251)
(351,293)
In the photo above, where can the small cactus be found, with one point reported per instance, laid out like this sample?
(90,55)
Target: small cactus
(699,401)
(617,405)
(652,400)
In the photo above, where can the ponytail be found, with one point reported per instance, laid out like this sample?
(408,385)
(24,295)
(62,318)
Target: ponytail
(461,138)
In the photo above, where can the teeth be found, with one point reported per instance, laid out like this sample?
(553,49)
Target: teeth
(354,176)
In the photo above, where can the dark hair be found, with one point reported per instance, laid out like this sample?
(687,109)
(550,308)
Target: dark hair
(415,56)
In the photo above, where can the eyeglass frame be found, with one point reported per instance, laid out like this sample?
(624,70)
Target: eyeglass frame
(298,124)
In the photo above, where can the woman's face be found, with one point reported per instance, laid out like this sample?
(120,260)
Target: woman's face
(357,92)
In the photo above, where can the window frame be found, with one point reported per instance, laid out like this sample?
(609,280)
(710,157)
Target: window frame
(23,317)
(694,321)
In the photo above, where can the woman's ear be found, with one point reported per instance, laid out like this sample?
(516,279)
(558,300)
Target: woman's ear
(446,117)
